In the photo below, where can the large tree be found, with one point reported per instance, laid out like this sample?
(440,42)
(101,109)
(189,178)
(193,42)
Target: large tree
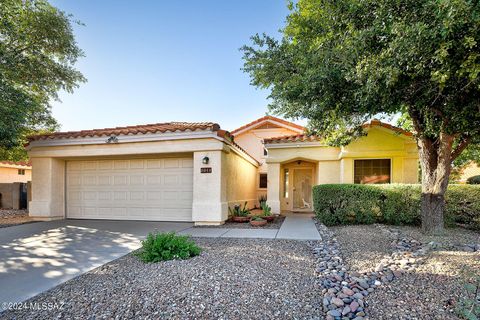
(342,62)
(37,54)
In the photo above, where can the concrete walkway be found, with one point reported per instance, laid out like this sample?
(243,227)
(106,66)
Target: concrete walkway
(295,227)
(299,227)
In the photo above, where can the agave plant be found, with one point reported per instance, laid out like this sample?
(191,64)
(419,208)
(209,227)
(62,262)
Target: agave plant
(262,199)
(267,210)
(238,211)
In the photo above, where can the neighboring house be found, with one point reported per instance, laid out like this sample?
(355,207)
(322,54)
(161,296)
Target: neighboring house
(470,170)
(11,171)
(181,171)
(13,188)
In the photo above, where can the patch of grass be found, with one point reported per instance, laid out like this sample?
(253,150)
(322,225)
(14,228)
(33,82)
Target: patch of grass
(167,246)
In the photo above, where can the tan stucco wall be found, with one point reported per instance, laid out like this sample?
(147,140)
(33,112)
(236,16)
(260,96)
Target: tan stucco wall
(252,142)
(48,189)
(127,149)
(290,153)
(327,171)
(211,191)
(239,179)
(208,206)
(10,175)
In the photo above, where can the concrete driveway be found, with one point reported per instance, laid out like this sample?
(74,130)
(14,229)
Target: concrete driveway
(38,256)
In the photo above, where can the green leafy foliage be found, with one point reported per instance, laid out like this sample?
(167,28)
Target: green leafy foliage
(342,62)
(468,306)
(262,199)
(266,209)
(397,204)
(238,211)
(37,54)
(167,246)
(257,218)
(474,180)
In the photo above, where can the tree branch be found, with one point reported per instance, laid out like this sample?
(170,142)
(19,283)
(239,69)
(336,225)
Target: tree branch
(460,147)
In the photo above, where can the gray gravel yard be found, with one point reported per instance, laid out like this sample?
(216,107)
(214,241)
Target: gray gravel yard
(231,279)
(363,246)
(11,217)
(432,289)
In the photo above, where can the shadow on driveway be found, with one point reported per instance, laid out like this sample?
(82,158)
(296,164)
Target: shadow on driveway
(36,257)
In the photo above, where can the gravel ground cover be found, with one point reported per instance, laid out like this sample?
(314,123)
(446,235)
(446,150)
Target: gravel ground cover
(427,289)
(275,224)
(231,279)
(11,217)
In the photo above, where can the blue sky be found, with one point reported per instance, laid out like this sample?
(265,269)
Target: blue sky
(160,61)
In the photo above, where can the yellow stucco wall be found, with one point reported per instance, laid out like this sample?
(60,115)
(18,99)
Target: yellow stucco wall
(336,164)
(327,171)
(10,175)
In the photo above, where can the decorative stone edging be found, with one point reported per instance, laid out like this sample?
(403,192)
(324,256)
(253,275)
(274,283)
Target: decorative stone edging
(344,291)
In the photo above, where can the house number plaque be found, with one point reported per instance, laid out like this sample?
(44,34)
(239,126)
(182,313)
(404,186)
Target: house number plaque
(205,170)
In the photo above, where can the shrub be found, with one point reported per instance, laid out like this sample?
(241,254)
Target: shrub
(397,204)
(167,246)
(463,205)
(473,180)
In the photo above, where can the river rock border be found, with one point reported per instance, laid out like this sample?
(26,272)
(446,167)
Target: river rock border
(344,291)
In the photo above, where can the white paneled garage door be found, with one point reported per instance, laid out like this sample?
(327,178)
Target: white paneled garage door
(133,189)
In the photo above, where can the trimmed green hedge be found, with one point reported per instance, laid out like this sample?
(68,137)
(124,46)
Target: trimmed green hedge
(397,204)
(474,180)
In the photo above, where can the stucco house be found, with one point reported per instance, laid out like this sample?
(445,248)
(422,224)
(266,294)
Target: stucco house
(15,171)
(181,171)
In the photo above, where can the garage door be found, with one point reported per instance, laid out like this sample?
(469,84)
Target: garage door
(133,189)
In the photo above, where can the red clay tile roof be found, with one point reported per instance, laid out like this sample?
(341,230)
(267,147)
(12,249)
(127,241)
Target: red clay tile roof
(131,130)
(260,120)
(294,138)
(16,163)
(143,129)
(312,138)
(379,123)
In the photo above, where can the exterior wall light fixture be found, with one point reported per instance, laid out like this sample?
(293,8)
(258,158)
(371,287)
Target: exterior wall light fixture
(205,160)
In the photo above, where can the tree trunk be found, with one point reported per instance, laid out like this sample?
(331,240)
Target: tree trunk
(432,213)
(435,160)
